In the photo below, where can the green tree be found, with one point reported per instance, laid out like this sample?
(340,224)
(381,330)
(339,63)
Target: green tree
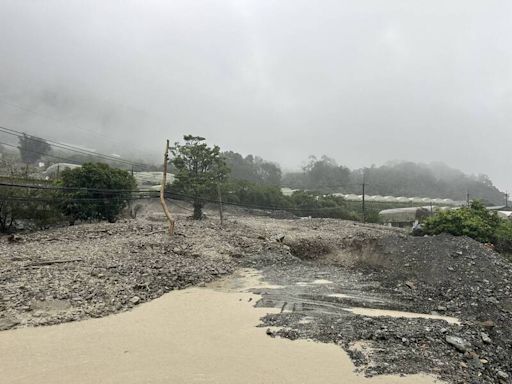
(32,148)
(321,175)
(106,191)
(252,194)
(325,174)
(253,169)
(198,169)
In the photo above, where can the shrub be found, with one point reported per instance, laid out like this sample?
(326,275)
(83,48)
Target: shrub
(372,216)
(257,195)
(503,241)
(301,203)
(31,208)
(474,221)
(94,202)
(317,205)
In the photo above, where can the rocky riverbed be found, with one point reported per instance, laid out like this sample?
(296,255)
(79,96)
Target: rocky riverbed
(328,278)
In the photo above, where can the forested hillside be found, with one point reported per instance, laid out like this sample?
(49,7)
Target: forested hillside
(435,180)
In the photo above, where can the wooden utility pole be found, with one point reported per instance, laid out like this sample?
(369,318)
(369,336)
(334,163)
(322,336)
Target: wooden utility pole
(364,205)
(162,191)
(220,205)
(363,196)
(506,199)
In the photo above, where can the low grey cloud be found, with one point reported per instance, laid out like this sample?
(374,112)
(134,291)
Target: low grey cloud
(361,81)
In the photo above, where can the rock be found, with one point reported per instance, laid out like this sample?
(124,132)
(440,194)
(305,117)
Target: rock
(410,284)
(502,375)
(8,323)
(459,343)
(485,338)
(135,300)
(279,238)
(14,239)
(487,324)
(475,361)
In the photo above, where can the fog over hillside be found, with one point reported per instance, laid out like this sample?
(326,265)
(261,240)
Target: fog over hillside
(364,82)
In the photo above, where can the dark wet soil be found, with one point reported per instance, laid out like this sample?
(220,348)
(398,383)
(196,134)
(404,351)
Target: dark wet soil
(441,275)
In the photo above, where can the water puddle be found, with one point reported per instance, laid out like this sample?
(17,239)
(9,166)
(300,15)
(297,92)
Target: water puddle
(243,280)
(197,335)
(371,312)
(357,297)
(314,282)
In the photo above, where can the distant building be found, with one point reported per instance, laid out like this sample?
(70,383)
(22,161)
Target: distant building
(287,191)
(54,170)
(505,214)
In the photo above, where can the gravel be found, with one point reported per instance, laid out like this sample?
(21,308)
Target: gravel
(93,270)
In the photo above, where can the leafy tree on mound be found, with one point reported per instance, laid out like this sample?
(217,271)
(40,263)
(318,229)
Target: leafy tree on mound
(474,221)
(106,191)
(198,169)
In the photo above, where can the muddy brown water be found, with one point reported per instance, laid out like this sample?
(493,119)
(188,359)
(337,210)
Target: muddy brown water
(197,335)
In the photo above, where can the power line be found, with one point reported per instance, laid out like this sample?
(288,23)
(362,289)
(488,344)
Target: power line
(70,148)
(171,195)
(20,107)
(168,195)
(82,189)
(41,153)
(67,147)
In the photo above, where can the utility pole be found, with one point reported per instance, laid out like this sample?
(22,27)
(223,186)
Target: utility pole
(162,191)
(506,199)
(220,205)
(467,198)
(363,196)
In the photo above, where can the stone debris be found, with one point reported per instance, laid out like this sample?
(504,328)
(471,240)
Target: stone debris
(459,343)
(93,270)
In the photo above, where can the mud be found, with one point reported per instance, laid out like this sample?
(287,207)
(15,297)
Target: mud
(196,335)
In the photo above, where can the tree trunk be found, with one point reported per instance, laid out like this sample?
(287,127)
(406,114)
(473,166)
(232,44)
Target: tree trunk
(198,210)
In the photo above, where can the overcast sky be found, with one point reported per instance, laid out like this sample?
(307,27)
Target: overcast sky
(361,81)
